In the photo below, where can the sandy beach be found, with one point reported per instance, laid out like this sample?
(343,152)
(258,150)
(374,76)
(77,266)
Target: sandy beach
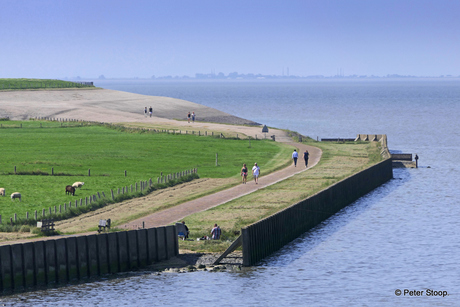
(105,105)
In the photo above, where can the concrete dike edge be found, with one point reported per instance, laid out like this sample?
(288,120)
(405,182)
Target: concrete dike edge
(25,266)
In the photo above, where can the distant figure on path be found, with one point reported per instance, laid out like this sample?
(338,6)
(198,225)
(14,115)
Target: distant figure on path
(193,116)
(150,111)
(305,157)
(244,173)
(145,112)
(188,117)
(295,155)
(215,232)
(256,173)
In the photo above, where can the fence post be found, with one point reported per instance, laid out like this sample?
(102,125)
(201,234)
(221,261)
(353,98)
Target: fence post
(15,169)
(43,212)
(27,215)
(52,171)
(0,218)
(15,217)
(125,173)
(36,217)
(89,172)
(216,159)
(111,191)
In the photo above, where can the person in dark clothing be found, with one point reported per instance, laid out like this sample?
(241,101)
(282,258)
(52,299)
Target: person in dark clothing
(186,230)
(305,157)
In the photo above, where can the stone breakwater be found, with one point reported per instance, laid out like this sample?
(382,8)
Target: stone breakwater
(193,262)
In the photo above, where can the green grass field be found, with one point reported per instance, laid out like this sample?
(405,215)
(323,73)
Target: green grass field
(23,83)
(108,153)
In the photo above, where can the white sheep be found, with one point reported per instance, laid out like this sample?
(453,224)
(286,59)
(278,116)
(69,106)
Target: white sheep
(2,191)
(78,184)
(16,195)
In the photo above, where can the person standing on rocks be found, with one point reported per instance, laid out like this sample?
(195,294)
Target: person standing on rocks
(256,173)
(305,157)
(295,155)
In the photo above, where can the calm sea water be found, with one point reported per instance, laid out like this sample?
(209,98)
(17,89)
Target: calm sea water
(404,235)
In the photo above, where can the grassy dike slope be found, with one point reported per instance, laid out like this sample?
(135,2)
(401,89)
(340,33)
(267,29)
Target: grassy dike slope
(337,162)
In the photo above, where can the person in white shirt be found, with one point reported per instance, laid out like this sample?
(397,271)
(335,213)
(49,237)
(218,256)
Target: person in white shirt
(295,155)
(256,173)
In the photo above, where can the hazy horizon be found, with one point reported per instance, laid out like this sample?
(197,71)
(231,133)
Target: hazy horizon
(119,39)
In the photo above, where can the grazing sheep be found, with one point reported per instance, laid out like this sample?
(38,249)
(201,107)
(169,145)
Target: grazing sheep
(78,184)
(70,190)
(2,191)
(16,195)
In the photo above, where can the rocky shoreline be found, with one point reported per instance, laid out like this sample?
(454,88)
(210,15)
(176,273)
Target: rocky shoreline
(192,262)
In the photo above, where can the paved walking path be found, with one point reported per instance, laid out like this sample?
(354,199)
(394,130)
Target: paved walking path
(177,213)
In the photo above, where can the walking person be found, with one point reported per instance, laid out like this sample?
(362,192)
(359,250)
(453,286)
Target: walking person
(150,111)
(244,173)
(305,157)
(188,117)
(145,112)
(295,155)
(193,116)
(256,173)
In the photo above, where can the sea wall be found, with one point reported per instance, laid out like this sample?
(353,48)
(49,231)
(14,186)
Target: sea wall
(24,266)
(270,234)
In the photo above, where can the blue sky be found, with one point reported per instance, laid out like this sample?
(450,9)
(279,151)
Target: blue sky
(57,39)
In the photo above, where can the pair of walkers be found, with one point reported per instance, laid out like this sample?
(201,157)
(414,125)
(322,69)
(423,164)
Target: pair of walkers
(191,116)
(149,111)
(295,156)
(255,173)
